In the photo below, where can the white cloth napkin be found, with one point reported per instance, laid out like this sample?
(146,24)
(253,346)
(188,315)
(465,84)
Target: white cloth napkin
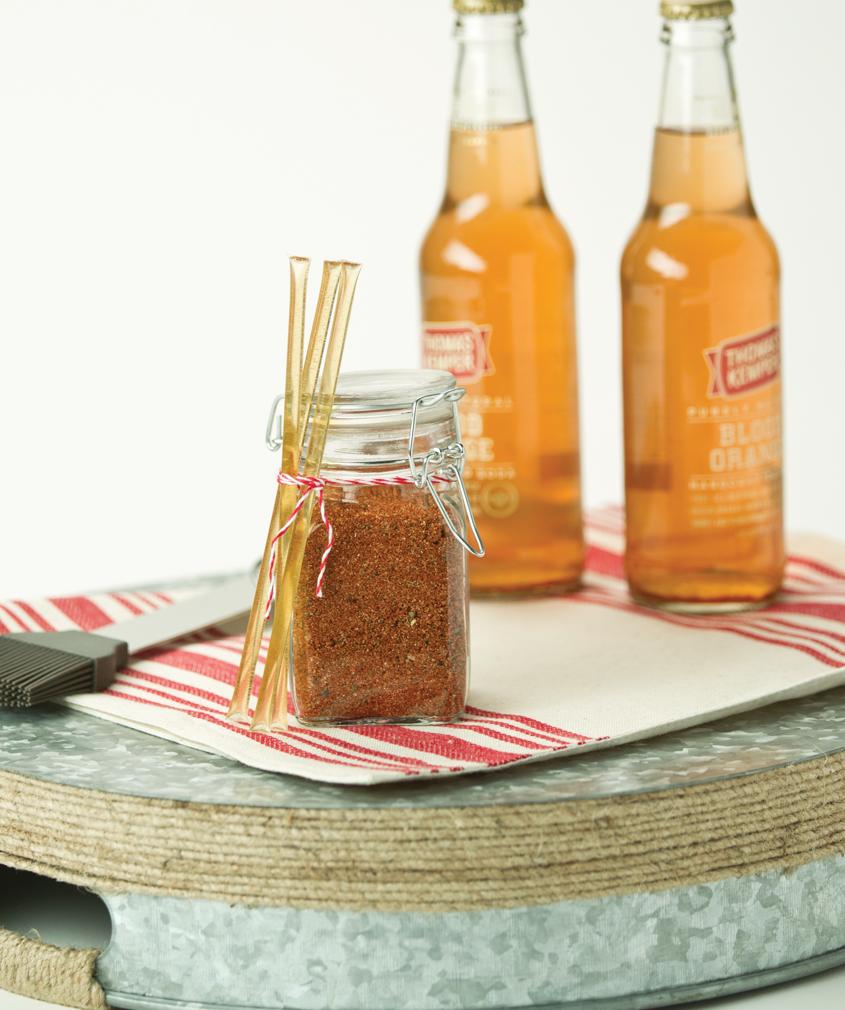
(549,677)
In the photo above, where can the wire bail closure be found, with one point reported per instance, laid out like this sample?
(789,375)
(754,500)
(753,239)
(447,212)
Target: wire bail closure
(449,463)
(444,463)
(273,432)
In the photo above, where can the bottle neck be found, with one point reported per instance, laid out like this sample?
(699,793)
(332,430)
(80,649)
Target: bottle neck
(493,158)
(699,161)
(698,82)
(490,86)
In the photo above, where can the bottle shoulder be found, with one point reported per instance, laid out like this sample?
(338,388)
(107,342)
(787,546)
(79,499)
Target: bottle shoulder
(696,241)
(499,230)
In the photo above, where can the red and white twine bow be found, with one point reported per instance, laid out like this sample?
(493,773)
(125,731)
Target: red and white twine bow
(309,485)
(317,486)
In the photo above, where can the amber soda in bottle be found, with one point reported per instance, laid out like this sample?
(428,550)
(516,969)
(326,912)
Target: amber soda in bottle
(498,310)
(701,347)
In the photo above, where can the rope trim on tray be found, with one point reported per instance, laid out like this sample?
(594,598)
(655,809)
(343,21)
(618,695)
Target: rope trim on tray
(32,968)
(440,859)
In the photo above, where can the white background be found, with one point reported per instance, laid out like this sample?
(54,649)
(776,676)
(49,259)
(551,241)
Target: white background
(162,158)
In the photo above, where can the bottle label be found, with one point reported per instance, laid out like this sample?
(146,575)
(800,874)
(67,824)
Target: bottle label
(460,348)
(463,348)
(744,363)
(734,435)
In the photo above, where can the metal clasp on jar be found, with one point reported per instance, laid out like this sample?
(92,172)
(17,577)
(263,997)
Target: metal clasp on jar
(273,432)
(447,462)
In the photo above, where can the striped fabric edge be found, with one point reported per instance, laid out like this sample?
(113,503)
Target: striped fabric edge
(186,686)
(808,616)
(181,693)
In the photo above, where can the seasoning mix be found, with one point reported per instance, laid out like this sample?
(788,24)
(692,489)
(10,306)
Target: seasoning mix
(388,640)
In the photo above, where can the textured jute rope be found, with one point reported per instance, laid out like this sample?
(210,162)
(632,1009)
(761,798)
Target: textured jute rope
(436,859)
(32,968)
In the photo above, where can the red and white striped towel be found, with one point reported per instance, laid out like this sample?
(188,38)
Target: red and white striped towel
(550,677)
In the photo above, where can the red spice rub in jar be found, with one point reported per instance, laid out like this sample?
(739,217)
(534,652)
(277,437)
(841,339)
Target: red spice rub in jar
(388,640)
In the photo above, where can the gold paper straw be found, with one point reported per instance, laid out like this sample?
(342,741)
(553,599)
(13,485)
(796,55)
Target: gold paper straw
(271,710)
(313,466)
(293,371)
(239,705)
(286,495)
(317,346)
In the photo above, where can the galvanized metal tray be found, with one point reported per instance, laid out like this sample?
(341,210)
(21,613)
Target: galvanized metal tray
(619,951)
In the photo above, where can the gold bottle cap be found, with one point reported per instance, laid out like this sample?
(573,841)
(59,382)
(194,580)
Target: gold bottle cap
(695,10)
(488,6)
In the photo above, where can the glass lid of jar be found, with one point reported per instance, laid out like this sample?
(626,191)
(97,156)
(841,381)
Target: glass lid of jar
(363,399)
(393,389)
(372,414)
(400,422)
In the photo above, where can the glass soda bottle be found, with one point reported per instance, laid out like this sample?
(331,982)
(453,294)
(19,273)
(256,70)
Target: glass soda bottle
(498,310)
(701,347)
